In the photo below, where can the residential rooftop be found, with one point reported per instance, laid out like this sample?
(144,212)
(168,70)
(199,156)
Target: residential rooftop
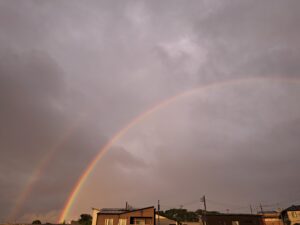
(292,208)
(118,211)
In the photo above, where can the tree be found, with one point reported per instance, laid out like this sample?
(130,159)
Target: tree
(181,215)
(85,219)
(36,222)
(201,212)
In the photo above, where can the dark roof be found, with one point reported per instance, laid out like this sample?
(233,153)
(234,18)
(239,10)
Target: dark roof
(292,208)
(118,211)
(267,212)
(112,211)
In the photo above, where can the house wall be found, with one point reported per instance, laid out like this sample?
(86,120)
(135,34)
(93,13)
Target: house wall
(165,221)
(94,215)
(294,217)
(272,218)
(147,213)
(272,221)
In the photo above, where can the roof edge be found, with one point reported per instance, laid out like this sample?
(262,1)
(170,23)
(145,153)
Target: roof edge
(138,209)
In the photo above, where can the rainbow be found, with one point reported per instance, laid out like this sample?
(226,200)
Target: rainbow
(70,201)
(38,171)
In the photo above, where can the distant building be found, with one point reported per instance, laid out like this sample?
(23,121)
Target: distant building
(161,220)
(271,218)
(291,215)
(233,219)
(124,216)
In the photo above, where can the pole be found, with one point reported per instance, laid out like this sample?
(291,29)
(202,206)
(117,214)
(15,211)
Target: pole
(204,213)
(158,209)
(251,209)
(261,209)
(204,201)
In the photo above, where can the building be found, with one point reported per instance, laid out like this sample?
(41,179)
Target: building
(94,215)
(291,215)
(124,216)
(233,219)
(161,220)
(271,218)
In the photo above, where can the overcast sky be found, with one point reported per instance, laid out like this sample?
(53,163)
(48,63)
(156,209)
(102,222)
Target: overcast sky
(73,73)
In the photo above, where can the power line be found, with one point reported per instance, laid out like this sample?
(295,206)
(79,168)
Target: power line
(191,202)
(231,206)
(226,204)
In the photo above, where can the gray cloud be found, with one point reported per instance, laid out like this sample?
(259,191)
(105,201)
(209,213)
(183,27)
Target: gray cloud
(95,66)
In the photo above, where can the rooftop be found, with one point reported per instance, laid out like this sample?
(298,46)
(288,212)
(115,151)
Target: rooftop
(118,211)
(113,210)
(292,208)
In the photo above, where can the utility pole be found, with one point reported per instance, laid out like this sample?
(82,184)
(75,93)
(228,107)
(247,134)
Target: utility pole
(204,213)
(261,209)
(204,202)
(251,209)
(158,209)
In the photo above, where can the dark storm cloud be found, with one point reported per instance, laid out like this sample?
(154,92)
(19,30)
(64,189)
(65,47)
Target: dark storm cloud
(94,66)
(30,85)
(33,99)
(247,39)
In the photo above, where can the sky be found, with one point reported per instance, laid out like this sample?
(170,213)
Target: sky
(74,73)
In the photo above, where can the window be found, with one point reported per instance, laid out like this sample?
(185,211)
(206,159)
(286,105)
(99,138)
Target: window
(122,221)
(148,220)
(139,221)
(108,222)
(294,214)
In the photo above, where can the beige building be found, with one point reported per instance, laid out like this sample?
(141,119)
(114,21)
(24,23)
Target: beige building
(161,220)
(272,218)
(123,216)
(94,215)
(291,215)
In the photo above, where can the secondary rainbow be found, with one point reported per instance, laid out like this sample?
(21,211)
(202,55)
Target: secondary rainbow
(144,115)
(40,168)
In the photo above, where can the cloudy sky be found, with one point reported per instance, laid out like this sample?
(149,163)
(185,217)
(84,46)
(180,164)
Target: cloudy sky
(73,73)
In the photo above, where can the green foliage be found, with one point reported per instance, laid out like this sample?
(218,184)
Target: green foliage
(201,212)
(85,219)
(36,222)
(181,215)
